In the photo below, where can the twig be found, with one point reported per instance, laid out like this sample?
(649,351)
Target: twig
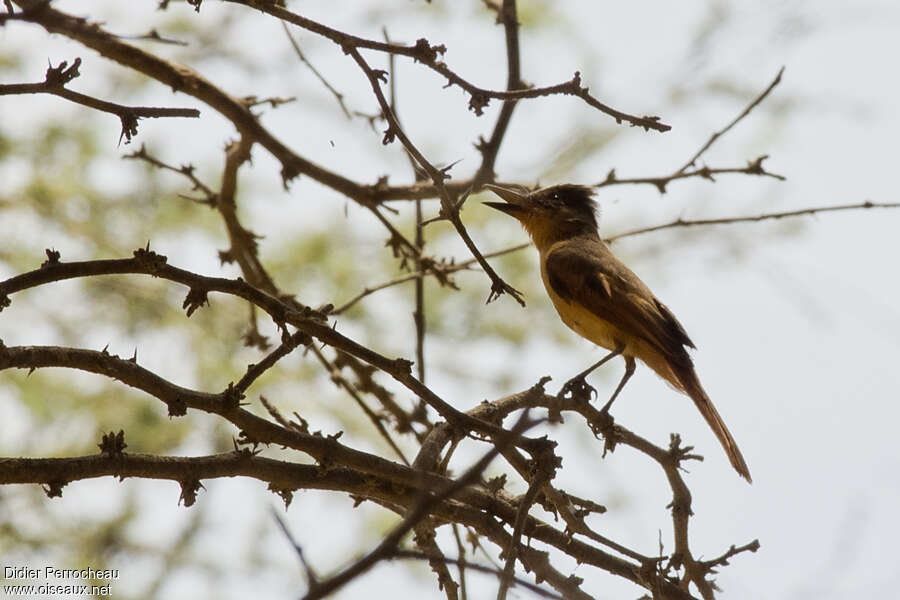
(388,545)
(57,77)
(337,95)
(424,538)
(467,264)
(762,217)
(153,36)
(461,562)
(381,483)
(365,382)
(311,579)
(211,198)
(420,175)
(256,370)
(449,208)
(410,554)
(425,53)
(443,269)
(489,149)
(243,248)
(715,136)
(184,79)
(754,167)
(722,560)
(342,382)
(541,477)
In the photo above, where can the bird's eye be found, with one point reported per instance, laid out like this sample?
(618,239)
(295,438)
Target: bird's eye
(555,196)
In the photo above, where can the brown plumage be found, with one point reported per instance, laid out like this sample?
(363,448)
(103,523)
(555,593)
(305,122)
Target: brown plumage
(603,300)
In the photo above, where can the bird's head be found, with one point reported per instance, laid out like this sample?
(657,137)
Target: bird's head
(550,214)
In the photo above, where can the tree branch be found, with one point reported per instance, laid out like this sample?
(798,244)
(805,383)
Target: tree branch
(715,136)
(425,53)
(57,77)
(754,218)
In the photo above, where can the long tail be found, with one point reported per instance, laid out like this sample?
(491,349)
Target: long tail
(692,388)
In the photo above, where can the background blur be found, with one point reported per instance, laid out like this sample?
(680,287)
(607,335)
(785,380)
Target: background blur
(796,321)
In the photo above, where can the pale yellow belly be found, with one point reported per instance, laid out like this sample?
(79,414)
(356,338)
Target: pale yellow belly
(586,324)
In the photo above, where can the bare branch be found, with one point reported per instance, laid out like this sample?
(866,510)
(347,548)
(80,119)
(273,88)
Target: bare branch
(489,148)
(761,217)
(305,319)
(429,55)
(715,136)
(184,79)
(754,167)
(57,77)
(410,554)
(337,95)
(210,198)
(425,494)
(254,371)
(449,207)
(342,382)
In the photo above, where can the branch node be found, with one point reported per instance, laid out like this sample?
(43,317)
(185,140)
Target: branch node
(389,136)
(680,454)
(195,298)
(477,103)
(52,258)
(286,494)
(60,75)
(495,484)
(189,489)
(129,126)
(53,489)
(576,81)
(426,53)
(112,444)
(403,365)
(289,170)
(150,260)
(177,407)
(231,397)
(381,75)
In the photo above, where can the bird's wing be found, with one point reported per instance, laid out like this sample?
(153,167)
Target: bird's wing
(588,273)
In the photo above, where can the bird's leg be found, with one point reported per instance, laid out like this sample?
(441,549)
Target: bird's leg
(579,389)
(629,371)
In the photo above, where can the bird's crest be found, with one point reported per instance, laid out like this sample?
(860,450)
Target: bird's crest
(571,201)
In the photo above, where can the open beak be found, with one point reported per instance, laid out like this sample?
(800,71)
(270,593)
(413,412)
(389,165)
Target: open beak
(515,205)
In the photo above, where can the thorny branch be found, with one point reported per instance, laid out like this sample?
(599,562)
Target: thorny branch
(424,495)
(419,512)
(399,485)
(445,270)
(690,168)
(449,206)
(754,167)
(755,218)
(55,80)
(692,161)
(429,55)
(302,317)
(490,148)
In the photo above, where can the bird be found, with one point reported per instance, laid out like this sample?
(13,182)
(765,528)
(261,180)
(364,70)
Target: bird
(603,301)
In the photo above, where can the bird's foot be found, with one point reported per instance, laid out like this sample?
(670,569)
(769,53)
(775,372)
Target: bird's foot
(577,389)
